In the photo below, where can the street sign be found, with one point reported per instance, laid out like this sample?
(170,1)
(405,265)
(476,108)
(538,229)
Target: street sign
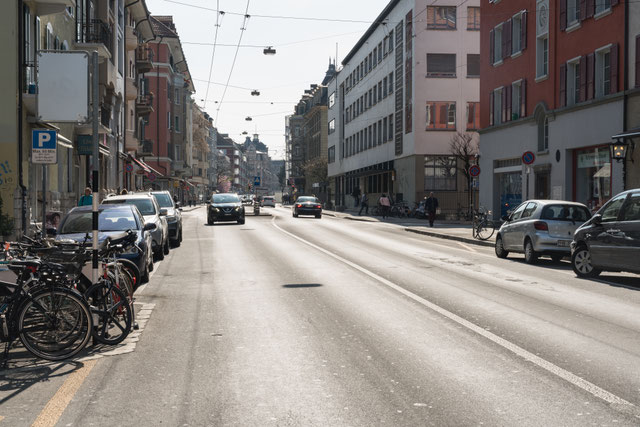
(474,170)
(256,181)
(85,145)
(528,157)
(44,146)
(128,168)
(151,176)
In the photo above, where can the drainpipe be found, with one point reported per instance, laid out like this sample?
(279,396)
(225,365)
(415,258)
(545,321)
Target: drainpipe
(158,109)
(23,189)
(625,87)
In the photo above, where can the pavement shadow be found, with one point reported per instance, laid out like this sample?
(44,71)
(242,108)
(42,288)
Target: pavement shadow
(301,285)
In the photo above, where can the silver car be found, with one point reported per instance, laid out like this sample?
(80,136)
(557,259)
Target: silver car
(152,213)
(541,227)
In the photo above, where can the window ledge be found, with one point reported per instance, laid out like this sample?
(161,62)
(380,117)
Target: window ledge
(435,76)
(515,55)
(602,14)
(473,77)
(543,152)
(573,27)
(495,64)
(542,78)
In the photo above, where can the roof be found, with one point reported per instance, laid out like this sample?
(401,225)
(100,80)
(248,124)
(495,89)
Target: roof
(138,10)
(163,26)
(370,30)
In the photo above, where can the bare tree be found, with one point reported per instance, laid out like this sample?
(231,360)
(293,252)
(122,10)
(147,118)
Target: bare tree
(464,147)
(315,170)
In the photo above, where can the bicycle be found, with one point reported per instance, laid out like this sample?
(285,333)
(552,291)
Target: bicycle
(482,227)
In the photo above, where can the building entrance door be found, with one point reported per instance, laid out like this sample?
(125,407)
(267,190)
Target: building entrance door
(543,185)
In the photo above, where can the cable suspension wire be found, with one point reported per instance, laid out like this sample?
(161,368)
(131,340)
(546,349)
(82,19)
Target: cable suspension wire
(213,53)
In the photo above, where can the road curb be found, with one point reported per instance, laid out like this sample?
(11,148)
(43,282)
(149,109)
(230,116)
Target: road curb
(450,237)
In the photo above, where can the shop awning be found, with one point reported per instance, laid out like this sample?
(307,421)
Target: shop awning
(140,164)
(604,171)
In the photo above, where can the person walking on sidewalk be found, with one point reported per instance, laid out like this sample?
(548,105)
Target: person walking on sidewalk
(431,206)
(356,195)
(87,199)
(385,205)
(364,204)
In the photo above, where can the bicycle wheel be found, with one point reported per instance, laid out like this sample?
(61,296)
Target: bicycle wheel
(112,313)
(55,323)
(484,230)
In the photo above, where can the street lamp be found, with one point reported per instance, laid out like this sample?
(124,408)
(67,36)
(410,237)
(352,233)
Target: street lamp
(269,51)
(619,149)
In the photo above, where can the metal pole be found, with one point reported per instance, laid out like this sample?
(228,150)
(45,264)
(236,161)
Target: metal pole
(95,162)
(44,201)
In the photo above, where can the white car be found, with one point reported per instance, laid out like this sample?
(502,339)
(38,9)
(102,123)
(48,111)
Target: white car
(269,201)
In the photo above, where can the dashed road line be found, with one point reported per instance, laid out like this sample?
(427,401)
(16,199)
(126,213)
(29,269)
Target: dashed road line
(581,383)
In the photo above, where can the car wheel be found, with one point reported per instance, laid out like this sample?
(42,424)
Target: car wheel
(209,220)
(241,221)
(180,236)
(145,274)
(556,258)
(319,216)
(151,264)
(530,255)
(295,215)
(166,247)
(581,263)
(501,252)
(160,253)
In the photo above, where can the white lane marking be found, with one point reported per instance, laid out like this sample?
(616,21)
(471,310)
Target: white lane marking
(519,351)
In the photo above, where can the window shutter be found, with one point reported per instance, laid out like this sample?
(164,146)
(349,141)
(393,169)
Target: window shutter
(583,79)
(523,98)
(638,61)
(504,104)
(509,97)
(470,112)
(563,15)
(583,10)
(523,30)
(591,7)
(491,106)
(509,45)
(591,68)
(443,114)
(563,85)
(492,46)
(613,69)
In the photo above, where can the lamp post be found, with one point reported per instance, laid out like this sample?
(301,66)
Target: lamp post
(619,150)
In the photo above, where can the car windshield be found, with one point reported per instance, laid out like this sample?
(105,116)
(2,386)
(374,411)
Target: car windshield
(307,199)
(108,220)
(145,206)
(566,213)
(225,198)
(164,200)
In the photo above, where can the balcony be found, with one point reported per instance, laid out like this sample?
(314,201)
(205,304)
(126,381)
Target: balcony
(95,35)
(131,88)
(144,105)
(147,148)
(48,7)
(131,142)
(144,58)
(30,94)
(130,38)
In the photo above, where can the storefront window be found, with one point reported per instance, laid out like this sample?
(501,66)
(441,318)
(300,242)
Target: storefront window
(593,176)
(440,173)
(510,191)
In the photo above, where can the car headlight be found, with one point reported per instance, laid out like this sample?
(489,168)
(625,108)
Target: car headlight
(215,209)
(237,208)
(172,219)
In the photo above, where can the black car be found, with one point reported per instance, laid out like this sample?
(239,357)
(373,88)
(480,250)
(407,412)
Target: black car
(225,207)
(307,205)
(112,220)
(174,215)
(610,240)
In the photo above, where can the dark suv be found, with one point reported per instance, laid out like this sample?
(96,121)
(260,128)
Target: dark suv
(174,215)
(225,207)
(610,240)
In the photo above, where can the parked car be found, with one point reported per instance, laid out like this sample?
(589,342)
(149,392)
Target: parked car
(307,205)
(174,215)
(541,227)
(225,207)
(152,213)
(611,239)
(268,201)
(112,220)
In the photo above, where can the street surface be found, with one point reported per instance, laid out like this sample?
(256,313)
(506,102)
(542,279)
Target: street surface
(329,322)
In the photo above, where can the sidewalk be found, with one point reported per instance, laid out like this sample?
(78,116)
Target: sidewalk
(451,230)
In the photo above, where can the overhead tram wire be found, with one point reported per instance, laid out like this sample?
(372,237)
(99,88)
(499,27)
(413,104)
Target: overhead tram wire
(213,53)
(233,64)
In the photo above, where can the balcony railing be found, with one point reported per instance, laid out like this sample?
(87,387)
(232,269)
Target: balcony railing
(96,31)
(144,104)
(147,147)
(105,116)
(144,58)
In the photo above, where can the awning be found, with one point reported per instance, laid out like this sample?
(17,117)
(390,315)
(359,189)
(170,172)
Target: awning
(604,171)
(634,133)
(140,164)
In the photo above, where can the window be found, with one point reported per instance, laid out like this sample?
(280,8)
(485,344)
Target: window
(543,134)
(441,17)
(473,115)
(573,12)
(384,87)
(177,123)
(473,65)
(602,6)
(441,116)
(441,65)
(611,211)
(380,52)
(542,56)
(516,91)
(380,134)
(177,96)
(440,173)
(375,57)
(516,34)
(497,45)
(374,97)
(332,126)
(168,120)
(573,82)
(495,111)
(332,99)
(390,127)
(473,18)
(331,154)
(631,210)
(606,71)
(390,83)
(379,91)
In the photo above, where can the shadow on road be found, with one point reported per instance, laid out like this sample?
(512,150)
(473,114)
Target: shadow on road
(302,285)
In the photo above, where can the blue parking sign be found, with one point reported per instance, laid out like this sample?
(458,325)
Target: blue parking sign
(256,181)
(44,146)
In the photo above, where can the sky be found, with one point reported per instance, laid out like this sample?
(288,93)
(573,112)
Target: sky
(303,50)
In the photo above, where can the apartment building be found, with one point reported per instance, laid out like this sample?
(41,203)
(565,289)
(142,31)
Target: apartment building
(237,179)
(553,84)
(407,87)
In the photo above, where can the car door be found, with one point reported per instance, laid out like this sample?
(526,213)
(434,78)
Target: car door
(603,238)
(628,234)
(509,229)
(524,226)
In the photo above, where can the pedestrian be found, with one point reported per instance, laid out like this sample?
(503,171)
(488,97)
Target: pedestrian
(431,206)
(356,195)
(385,205)
(87,199)
(364,204)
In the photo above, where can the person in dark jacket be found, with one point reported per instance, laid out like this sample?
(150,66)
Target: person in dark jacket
(431,206)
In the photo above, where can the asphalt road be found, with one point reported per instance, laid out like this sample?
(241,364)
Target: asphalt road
(315,322)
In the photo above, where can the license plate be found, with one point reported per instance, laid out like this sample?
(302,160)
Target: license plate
(564,243)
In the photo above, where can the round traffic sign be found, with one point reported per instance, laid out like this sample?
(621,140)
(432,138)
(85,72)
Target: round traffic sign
(129,168)
(528,157)
(151,176)
(474,170)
